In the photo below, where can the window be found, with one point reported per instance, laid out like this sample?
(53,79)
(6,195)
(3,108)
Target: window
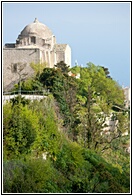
(14,68)
(33,40)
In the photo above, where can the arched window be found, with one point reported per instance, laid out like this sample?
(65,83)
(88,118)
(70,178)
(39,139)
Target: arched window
(33,40)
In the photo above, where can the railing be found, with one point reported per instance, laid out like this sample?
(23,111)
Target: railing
(32,95)
(36,92)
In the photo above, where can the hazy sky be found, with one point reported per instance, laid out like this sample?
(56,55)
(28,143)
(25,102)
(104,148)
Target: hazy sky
(96,32)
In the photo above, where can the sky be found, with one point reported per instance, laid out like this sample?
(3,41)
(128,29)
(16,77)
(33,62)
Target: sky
(96,32)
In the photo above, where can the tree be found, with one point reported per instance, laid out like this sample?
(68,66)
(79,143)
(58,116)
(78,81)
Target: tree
(100,93)
(47,136)
(63,88)
(38,67)
(63,67)
(18,68)
(106,72)
(19,129)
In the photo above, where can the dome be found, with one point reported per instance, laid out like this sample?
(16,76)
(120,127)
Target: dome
(36,29)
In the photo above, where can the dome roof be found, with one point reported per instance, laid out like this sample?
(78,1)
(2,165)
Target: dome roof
(36,29)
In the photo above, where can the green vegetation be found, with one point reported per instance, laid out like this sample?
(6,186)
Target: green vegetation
(61,144)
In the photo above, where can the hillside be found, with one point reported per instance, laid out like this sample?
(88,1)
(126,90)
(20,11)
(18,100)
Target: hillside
(60,144)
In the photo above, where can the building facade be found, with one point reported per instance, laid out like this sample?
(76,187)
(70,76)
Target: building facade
(35,44)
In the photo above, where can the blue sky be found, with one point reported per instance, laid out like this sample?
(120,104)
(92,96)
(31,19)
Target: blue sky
(96,32)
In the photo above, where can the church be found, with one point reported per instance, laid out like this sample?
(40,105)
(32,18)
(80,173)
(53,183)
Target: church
(35,44)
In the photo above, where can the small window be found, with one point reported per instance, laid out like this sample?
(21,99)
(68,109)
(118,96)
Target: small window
(43,42)
(14,68)
(33,40)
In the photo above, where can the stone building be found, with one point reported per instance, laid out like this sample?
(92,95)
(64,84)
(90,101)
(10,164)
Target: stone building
(127,93)
(36,43)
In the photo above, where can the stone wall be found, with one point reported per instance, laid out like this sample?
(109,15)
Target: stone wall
(15,55)
(29,54)
(60,56)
